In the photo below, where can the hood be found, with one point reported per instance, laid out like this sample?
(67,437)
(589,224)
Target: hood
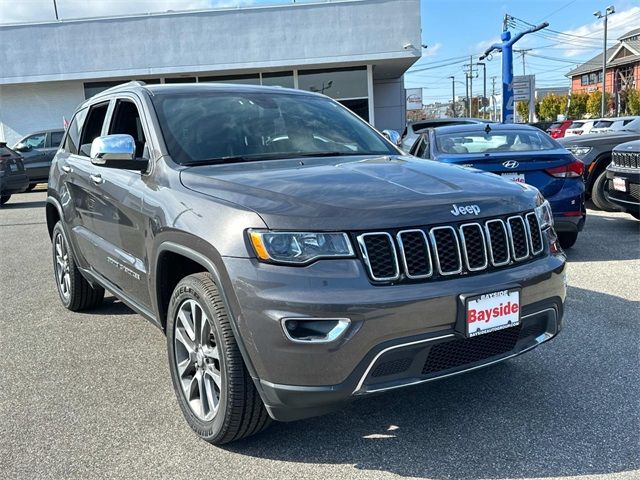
(594,139)
(358,193)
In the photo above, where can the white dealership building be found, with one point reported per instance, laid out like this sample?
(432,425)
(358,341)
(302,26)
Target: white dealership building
(355,51)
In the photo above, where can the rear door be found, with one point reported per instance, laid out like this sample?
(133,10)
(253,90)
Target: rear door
(82,202)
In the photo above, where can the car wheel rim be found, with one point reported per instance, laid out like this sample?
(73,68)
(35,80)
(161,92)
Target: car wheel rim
(197,360)
(62,266)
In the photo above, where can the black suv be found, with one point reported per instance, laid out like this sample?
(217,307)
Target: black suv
(623,178)
(295,258)
(37,150)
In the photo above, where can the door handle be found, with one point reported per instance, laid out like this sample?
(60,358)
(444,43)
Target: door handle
(97,179)
(66,168)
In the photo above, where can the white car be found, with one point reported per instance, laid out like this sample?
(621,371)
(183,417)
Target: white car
(581,127)
(611,124)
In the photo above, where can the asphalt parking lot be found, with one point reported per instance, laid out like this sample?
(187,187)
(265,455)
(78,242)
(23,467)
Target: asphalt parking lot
(88,395)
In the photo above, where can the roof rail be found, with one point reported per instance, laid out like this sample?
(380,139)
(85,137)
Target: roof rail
(132,83)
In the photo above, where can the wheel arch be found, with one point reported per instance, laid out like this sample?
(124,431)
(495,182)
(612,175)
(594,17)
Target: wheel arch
(53,212)
(194,262)
(599,164)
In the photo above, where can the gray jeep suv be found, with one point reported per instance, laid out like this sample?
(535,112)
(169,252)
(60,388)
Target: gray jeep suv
(295,258)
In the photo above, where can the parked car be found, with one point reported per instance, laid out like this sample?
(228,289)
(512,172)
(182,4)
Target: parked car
(580,127)
(520,153)
(607,125)
(595,152)
(623,178)
(37,151)
(13,178)
(544,126)
(298,262)
(413,129)
(558,129)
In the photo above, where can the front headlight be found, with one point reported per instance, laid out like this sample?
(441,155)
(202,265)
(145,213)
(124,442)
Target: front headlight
(579,152)
(299,247)
(545,215)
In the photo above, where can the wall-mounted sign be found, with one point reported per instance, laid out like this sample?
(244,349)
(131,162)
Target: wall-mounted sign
(414,98)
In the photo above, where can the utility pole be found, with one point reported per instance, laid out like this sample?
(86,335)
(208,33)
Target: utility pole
(466,85)
(598,14)
(471,85)
(55,9)
(523,53)
(453,95)
(493,99)
(484,85)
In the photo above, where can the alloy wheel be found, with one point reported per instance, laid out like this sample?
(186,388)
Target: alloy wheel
(62,266)
(197,359)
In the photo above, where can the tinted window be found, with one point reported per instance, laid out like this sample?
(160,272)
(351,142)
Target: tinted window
(494,141)
(555,125)
(602,124)
(256,125)
(336,83)
(251,79)
(56,138)
(72,140)
(576,125)
(422,150)
(280,79)
(92,127)
(126,119)
(35,141)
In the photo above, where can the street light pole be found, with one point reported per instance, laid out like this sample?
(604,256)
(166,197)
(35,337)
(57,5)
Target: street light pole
(471,85)
(453,95)
(484,85)
(598,14)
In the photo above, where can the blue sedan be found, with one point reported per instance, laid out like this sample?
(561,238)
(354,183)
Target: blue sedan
(518,153)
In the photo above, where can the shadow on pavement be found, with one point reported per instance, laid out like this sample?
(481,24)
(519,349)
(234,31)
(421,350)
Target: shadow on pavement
(607,237)
(111,306)
(15,205)
(567,408)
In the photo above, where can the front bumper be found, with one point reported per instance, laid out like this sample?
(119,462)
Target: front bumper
(301,380)
(629,201)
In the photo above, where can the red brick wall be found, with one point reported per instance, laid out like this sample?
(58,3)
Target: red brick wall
(576,86)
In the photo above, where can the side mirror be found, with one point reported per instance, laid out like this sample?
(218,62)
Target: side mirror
(22,147)
(116,151)
(393,137)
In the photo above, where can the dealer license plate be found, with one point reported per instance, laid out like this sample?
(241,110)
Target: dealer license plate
(493,311)
(619,184)
(514,177)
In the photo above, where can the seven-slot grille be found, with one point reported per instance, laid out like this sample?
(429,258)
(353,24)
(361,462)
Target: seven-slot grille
(626,159)
(451,250)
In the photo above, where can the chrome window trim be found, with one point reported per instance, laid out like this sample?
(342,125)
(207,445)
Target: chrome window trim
(538,340)
(513,250)
(404,257)
(530,237)
(435,249)
(464,246)
(506,239)
(365,256)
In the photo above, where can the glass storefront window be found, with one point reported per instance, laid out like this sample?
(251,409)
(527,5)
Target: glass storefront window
(336,83)
(278,79)
(180,80)
(250,79)
(360,107)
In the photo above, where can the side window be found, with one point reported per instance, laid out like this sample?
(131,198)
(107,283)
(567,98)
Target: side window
(72,140)
(92,127)
(35,141)
(55,138)
(126,120)
(415,146)
(423,148)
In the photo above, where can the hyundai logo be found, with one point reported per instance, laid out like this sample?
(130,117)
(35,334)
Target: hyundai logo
(510,164)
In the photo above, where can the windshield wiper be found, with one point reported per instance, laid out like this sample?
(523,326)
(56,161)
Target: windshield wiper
(273,156)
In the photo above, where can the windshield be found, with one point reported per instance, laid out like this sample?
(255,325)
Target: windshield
(494,141)
(223,127)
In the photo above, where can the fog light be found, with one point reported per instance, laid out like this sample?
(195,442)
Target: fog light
(314,330)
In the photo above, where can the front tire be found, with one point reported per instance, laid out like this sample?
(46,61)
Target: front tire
(567,239)
(75,292)
(215,392)
(599,194)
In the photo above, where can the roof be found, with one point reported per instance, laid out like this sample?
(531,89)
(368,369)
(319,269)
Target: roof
(480,127)
(595,63)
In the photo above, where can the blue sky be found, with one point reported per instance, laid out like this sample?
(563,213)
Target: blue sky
(455,28)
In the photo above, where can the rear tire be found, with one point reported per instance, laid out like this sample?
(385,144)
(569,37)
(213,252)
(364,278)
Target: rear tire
(214,389)
(567,239)
(4,199)
(75,292)
(599,194)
